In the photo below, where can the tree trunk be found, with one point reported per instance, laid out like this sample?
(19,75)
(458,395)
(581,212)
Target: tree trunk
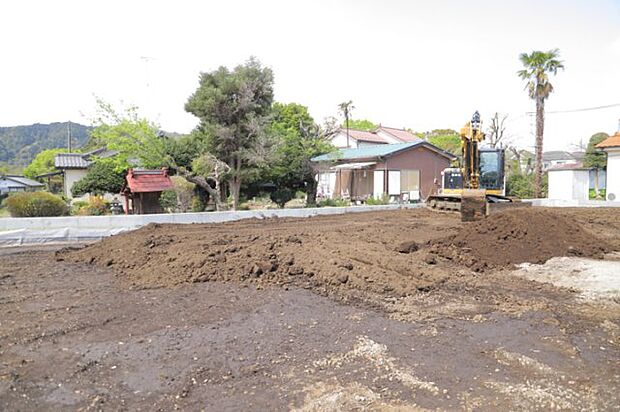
(311,187)
(214,193)
(235,183)
(540,127)
(597,194)
(235,188)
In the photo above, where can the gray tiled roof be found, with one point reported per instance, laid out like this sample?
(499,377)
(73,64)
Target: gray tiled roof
(20,181)
(71,161)
(557,155)
(80,160)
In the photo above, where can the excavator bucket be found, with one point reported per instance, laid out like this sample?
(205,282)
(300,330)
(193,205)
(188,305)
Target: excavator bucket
(473,205)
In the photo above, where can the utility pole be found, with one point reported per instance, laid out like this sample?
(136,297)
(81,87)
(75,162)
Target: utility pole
(69,135)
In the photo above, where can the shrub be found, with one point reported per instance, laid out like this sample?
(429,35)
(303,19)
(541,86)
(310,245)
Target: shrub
(281,196)
(78,205)
(168,200)
(383,200)
(197,204)
(96,206)
(36,204)
(333,203)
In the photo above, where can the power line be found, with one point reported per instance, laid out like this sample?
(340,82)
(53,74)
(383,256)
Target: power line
(607,106)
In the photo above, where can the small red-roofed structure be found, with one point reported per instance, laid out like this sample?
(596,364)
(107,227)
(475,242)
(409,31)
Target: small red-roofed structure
(143,188)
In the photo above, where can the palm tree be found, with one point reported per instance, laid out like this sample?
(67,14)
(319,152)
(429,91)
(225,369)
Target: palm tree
(538,65)
(345,109)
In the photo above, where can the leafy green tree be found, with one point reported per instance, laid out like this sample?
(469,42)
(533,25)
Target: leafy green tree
(42,163)
(361,124)
(299,139)
(523,185)
(596,158)
(140,143)
(448,140)
(538,65)
(102,177)
(136,139)
(233,107)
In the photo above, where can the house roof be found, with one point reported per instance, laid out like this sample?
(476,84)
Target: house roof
(141,181)
(400,134)
(81,160)
(568,166)
(71,161)
(382,150)
(557,155)
(611,141)
(362,135)
(20,181)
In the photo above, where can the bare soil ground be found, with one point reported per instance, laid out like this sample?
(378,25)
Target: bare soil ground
(407,310)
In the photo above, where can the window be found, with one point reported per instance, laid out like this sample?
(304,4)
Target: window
(409,180)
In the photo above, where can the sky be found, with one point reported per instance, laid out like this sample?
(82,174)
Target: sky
(413,64)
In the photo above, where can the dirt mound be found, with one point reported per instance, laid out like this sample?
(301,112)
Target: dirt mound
(396,253)
(517,236)
(363,251)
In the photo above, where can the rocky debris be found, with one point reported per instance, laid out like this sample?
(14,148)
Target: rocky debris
(407,247)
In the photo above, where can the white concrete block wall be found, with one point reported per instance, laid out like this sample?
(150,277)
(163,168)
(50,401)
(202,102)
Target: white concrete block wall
(569,184)
(560,184)
(613,174)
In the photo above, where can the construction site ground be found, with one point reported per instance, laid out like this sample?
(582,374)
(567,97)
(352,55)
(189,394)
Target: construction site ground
(399,310)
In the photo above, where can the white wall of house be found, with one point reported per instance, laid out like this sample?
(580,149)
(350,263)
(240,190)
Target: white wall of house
(390,139)
(569,184)
(613,174)
(340,141)
(72,176)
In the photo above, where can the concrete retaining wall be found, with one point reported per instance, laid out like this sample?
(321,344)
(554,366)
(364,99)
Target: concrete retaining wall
(571,203)
(20,231)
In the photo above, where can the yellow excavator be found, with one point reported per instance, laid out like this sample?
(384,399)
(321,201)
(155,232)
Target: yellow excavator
(477,188)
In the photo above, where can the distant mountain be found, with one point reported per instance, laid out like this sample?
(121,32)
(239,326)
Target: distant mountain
(20,144)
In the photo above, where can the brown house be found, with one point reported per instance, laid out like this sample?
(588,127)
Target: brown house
(403,172)
(143,188)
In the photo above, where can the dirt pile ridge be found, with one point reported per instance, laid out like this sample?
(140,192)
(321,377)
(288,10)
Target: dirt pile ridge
(361,251)
(516,236)
(397,253)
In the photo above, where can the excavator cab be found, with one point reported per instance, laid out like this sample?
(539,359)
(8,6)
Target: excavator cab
(477,187)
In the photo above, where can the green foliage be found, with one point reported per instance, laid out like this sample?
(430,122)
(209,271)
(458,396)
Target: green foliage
(594,157)
(601,192)
(537,67)
(36,204)
(297,140)
(102,177)
(42,163)
(134,137)
(168,200)
(233,107)
(96,206)
(522,186)
(77,206)
(184,191)
(197,204)
(20,144)
(334,203)
(282,196)
(183,150)
(383,200)
(361,124)
(447,140)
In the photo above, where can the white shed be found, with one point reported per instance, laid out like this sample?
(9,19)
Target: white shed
(569,182)
(611,146)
